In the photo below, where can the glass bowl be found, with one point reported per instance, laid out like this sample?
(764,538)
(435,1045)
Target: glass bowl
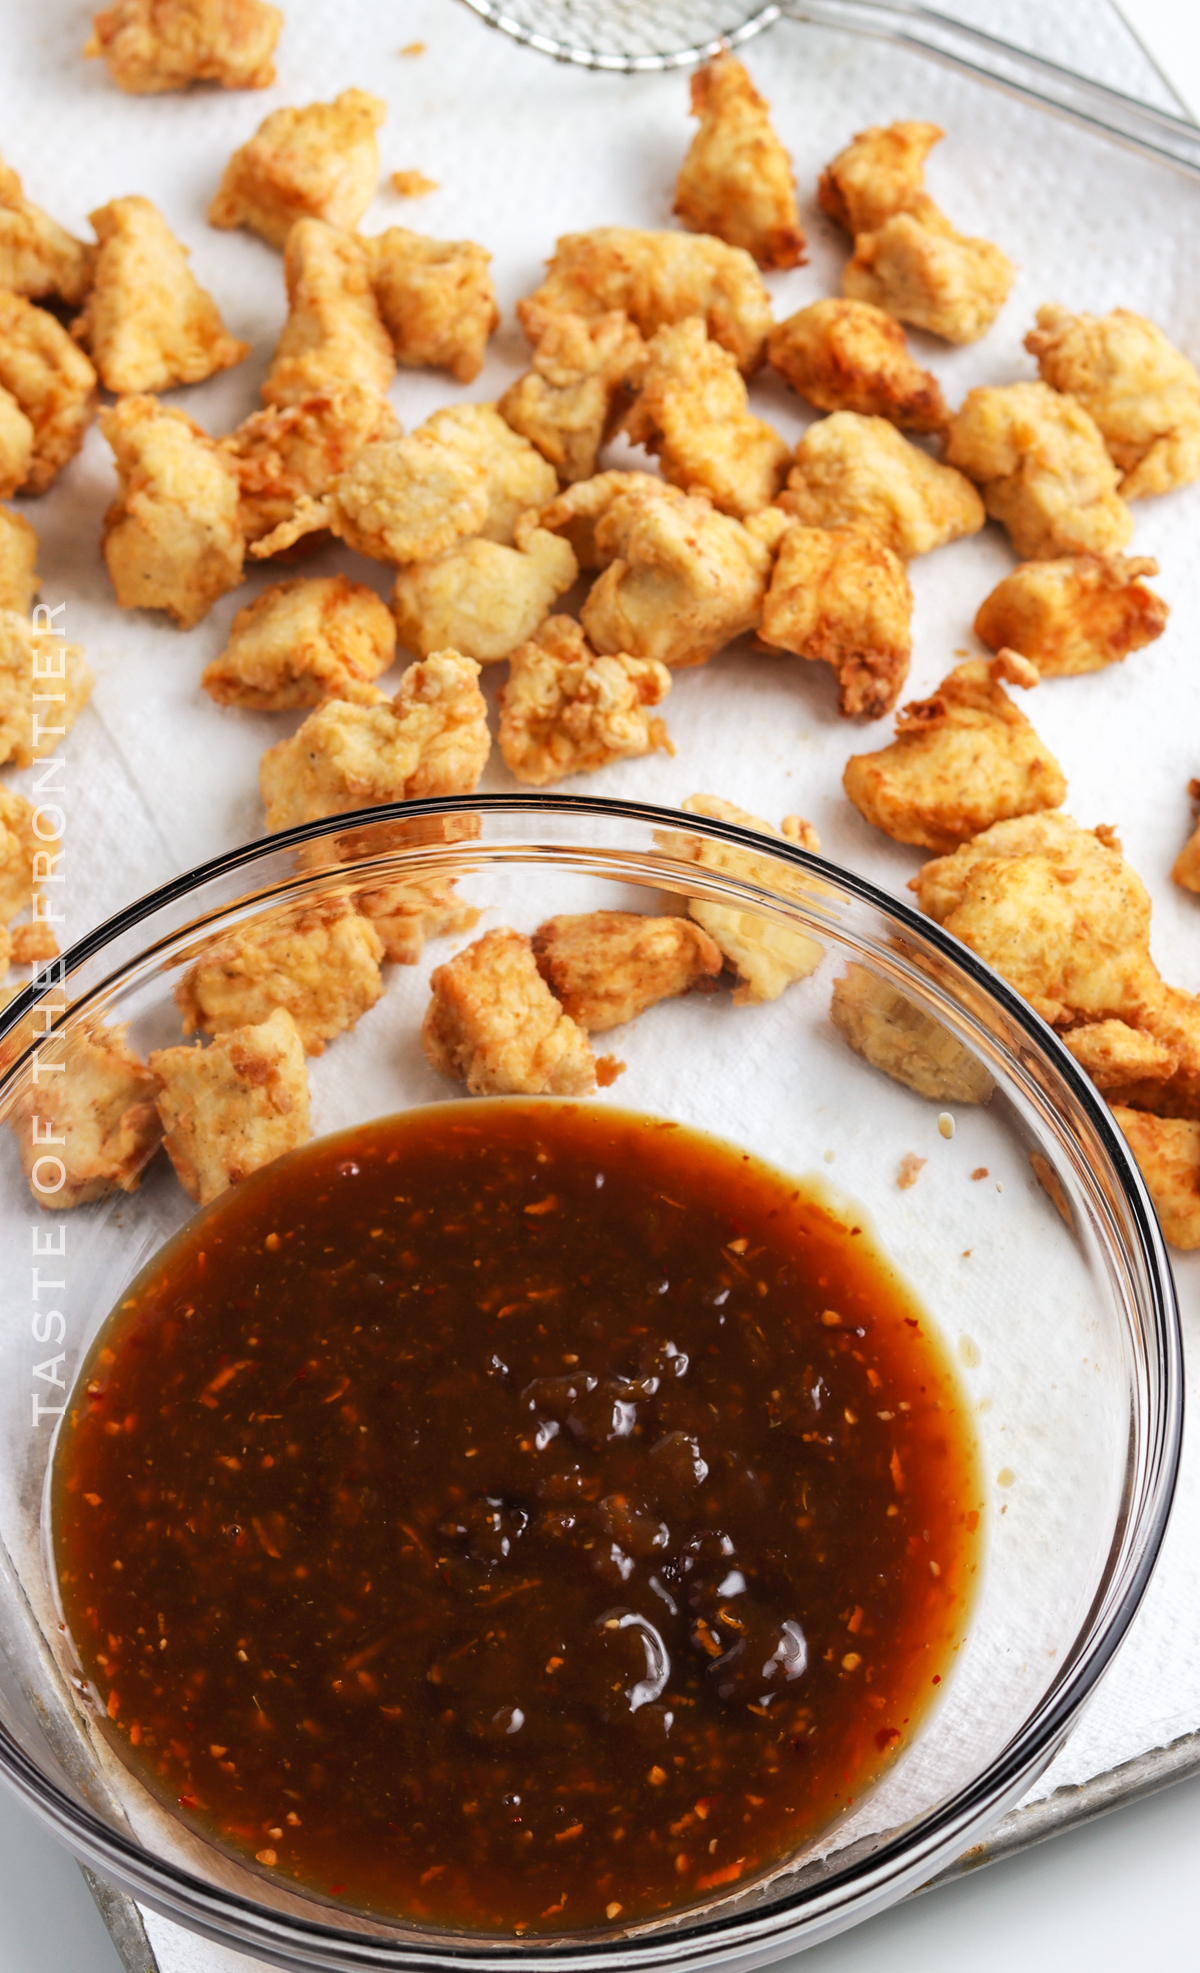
(1028,1236)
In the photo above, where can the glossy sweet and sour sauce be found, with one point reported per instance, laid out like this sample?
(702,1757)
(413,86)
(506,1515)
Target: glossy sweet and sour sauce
(521,1517)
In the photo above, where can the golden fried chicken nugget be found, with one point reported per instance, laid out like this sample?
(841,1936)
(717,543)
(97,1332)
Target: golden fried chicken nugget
(841,598)
(607,967)
(89,1127)
(24,861)
(436,298)
(767,957)
(518,477)
(850,356)
(320,963)
(172,537)
(300,642)
(432,739)
(566,710)
(18,562)
(736,180)
(657,278)
(880,173)
(1074,615)
(962,759)
(321,162)
(481,598)
(230,1108)
(151,46)
(400,500)
(1186,868)
(921,271)
(147,322)
(407,913)
(52,381)
(494,1024)
(691,409)
(44,685)
(577,391)
(334,333)
(16,444)
(577,511)
(894,1034)
(37,255)
(1114,1055)
(1168,1155)
(285,454)
(1142,392)
(1043,470)
(858,472)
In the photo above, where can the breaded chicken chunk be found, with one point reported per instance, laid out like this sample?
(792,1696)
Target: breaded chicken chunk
(436,298)
(565,710)
(24,860)
(300,642)
(1074,615)
(400,500)
(692,410)
(577,511)
(1142,392)
(880,173)
(766,956)
(334,333)
(147,321)
(321,162)
(850,356)
(230,1108)
(962,759)
(44,685)
(431,739)
(518,477)
(408,910)
(18,562)
(481,598)
(16,444)
(172,537)
(151,46)
(1186,868)
(894,1034)
(921,271)
(96,1126)
(1168,1155)
(1115,1055)
(52,382)
(1043,470)
(577,391)
(858,472)
(321,963)
(607,967)
(841,598)
(37,255)
(494,1024)
(657,278)
(736,180)
(284,455)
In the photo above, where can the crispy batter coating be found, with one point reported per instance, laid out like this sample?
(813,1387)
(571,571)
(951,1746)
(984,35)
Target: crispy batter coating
(147,322)
(577,391)
(607,967)
(172,538)
(1142,392)
(22,857)
(1114,1055)
(564,710)
(894,1034)
(334,333)
(436,298)
(234,1106)
(962,759)
(314,638)
(657,278)
(400,500)
(692,410)
(18,562)
(151,46)
(1074,615)
(408,912)
(736,180)
(37,255)
(1168,1156)
(518,477)
(1043,470)
(880,173)
(321,963)
(16,444)
(44,685)
(1186,868)
(922,271)
(284,455)
(494,1023)
(767,957)
(96,1121)
(321,162)
(841,597)
(432,739)
(481,598)
(52,381)
(33,944)
(851,356)
(577,511)
(858,472)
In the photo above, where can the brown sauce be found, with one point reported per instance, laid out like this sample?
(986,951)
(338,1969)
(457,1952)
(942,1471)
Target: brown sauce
(515,1516)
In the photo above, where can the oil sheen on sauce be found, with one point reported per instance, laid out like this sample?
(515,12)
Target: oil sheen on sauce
(519,1517)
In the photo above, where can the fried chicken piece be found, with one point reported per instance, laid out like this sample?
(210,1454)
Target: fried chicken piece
(962,759)
(52,381)
(321,964)
(436,298)
(494,1024)
(564,710)
(922,271)
(321,162)
(858,472)
(1186,868)
(96,1124)
(234,1106)
(18,562)
(432,739)
(401,500)
(692,411)
(151,46)
(736,180)
(334,333)
(894,1034)
(300,642)
(607,967)
(518,478)
(767,957)
(481,598)
(577,511)
(880,173)
(1074,615)
(405,911)
(1142,392)
(1043,470)
(24,860)
(16,444)
(1114,1055)
(282,456)
(38,256)
(147,322)
(578,390)
(1168,1157)
(657,278)
(44,685)
(33,944)
(841,598)
(172,538)
(850,356)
